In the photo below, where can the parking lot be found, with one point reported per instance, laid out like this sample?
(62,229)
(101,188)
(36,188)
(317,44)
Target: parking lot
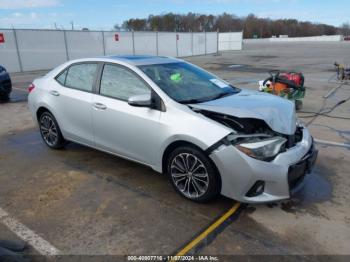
(84,202)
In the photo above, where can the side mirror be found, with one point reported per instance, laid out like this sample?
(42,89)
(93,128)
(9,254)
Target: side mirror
(141,100)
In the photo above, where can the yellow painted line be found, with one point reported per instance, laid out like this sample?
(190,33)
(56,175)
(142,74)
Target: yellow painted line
(210,229)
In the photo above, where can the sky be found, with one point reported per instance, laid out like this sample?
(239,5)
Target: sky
(104,14)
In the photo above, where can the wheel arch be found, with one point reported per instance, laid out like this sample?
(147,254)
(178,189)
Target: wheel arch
(40,111)
(178,143)
(171,147)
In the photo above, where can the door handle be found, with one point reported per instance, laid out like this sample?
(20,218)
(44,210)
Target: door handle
(54,93)
(100,106)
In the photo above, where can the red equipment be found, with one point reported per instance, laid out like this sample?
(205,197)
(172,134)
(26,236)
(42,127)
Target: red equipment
(286,84)
(296,78)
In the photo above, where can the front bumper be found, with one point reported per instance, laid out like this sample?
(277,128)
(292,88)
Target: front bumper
(281,177)
(298,171)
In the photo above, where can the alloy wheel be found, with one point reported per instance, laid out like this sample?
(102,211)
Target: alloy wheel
(49,130)
(189,175)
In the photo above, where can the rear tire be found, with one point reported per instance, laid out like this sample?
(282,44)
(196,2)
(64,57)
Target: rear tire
(193,174)
(50,131)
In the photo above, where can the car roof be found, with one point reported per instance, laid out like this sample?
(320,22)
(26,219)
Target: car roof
(143,59)
(134,60)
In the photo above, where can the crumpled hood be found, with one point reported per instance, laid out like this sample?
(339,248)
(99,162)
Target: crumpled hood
(278,113)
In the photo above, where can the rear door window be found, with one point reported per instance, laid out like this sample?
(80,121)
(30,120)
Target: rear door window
(79,76)
(62,78)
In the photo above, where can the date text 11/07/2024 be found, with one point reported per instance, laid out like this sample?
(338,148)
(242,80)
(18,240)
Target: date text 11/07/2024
(173,258)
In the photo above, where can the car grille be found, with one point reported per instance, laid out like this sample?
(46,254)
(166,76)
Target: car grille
(298,171)
(296,174)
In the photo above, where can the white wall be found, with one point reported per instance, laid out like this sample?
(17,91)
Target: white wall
(46,49)
(167,44)
(8,52)
(212,42)
(230,41)
(184,44)
(198,43)
(324,38)
(41,49)
(145,43)
(122,47)
(84,44)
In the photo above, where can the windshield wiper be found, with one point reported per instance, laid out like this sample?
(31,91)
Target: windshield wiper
(203,100)
(191,101)
(224,95)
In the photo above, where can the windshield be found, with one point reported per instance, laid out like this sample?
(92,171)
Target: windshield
(186,83)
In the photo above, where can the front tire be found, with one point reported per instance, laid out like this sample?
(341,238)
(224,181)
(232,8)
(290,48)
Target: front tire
(193,175)
(50,131)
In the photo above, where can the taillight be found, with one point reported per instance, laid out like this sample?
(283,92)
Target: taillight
(31,87)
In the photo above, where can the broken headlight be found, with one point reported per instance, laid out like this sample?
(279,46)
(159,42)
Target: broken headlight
(262,149)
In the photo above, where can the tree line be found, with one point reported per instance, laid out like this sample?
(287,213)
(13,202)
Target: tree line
(253,26)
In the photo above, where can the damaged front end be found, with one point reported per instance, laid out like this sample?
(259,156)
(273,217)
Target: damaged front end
(256,163)
(253,136)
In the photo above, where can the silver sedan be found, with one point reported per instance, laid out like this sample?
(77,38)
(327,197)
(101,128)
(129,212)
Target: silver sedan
(208,136)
